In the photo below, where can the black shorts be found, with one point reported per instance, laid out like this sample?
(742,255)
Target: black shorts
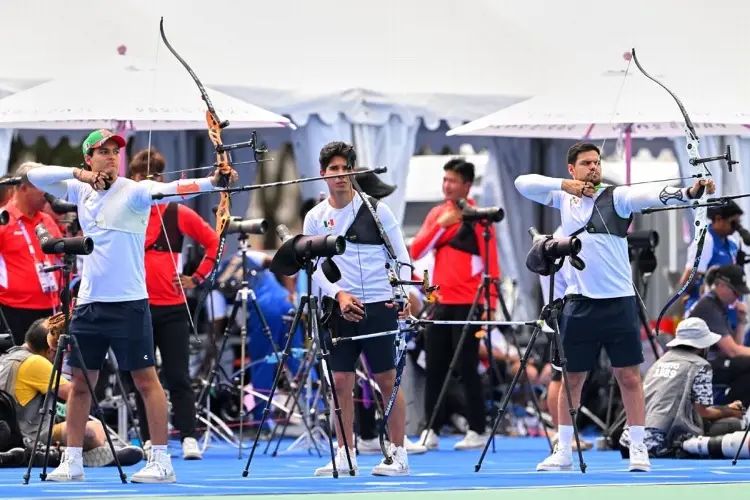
(380,352)
(588,324)
(123,326)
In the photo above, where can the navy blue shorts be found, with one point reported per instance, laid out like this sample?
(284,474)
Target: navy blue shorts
(588,325)
(380,352)
(123,326)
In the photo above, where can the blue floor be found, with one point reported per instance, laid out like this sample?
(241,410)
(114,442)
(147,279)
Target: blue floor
(512,466)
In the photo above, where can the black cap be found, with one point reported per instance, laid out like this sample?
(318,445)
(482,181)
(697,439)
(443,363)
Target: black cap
(734,276)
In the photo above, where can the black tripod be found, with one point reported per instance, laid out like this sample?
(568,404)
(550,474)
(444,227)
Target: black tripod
(549,314)
(65,343)
(483,289)
(313,331)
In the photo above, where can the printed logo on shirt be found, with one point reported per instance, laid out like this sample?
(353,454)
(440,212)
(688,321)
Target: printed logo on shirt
(329,224)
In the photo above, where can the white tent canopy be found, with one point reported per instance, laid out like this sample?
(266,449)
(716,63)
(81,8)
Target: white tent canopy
(145,100)
(601,107)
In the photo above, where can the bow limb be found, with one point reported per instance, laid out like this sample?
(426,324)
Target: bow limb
(699,170)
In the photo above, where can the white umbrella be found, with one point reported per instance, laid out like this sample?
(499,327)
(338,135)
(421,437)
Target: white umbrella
(145,100)
(605,106)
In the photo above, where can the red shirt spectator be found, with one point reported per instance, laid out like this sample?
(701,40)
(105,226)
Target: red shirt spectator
(161,263)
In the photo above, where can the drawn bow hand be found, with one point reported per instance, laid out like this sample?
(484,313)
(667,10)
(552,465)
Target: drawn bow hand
(219,173)
(697,190)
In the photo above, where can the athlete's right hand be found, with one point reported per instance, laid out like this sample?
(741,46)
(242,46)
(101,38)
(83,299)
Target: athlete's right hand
(351,307)
(451,216)
(97,180)
(578,188)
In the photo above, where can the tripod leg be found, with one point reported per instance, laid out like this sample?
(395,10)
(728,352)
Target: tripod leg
(572,408)
(324,354)
(53,387)
(739,448)
(507,395)
(76,351)
(277,377)
(532,394)
(452,366)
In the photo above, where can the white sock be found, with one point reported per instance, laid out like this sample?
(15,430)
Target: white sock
(75,453)
(636,434)
(158,449)
(565,435)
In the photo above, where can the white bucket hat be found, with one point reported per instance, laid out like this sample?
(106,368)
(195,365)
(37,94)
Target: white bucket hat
(694,332)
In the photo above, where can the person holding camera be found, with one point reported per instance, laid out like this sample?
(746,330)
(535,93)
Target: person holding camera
(361,301)
(600,306)
(168,224)
(458,248)
(27,293)
(112,307)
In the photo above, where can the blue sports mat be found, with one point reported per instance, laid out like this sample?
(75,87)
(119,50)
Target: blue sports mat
(512,466)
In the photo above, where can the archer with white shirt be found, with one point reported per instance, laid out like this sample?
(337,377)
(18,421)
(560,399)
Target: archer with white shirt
(600,306)
(362,302)
(112,308)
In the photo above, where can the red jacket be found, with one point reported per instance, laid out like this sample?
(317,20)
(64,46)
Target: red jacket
(457,272)
(20,285)
(161,265)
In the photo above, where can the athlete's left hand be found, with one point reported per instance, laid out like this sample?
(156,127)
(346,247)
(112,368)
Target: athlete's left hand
(695,191)
(216,177)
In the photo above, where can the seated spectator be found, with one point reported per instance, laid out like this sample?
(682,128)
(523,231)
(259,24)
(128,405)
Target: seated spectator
(679,395)
(729,359)
(25,373)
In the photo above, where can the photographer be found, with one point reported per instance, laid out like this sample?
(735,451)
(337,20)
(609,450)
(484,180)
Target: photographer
(168,224)
(679,395)
(459,263)
(25,373)
(728,357)
(600,308)
(27,293)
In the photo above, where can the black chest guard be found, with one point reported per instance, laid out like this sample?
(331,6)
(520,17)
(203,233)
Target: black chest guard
(173,238)
(604,217)
(363,230)
(465,239)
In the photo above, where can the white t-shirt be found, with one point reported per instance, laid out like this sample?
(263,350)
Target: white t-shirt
(114,271)
(607,273)
(561,283)
(363,267)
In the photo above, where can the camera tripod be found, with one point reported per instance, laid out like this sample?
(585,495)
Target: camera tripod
(549,314)
(69,343)
(483,291)
(244,295)
(313,331)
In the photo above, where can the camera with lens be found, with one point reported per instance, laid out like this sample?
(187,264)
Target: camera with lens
(296,251)
(546,250)
(642,249)
(80,245)
(247,226)
(475,214)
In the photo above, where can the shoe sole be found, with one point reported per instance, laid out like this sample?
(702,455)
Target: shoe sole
(640,468)
(149,480)
(390,474)
(551,468)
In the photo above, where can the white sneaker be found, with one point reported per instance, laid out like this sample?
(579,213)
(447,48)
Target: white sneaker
(158,470)
(639,461)
(190,449)
(414,448)
(472,441)
(429,439)
(342,465)
(69,469)
(399,465)
(370,446)
(561,459)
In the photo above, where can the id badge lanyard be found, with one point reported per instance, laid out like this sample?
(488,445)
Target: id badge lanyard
(46,280)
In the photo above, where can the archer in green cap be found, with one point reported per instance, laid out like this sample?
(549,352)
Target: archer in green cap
(99,137)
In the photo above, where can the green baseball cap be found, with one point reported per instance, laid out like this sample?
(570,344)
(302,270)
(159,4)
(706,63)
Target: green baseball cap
(99,137)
